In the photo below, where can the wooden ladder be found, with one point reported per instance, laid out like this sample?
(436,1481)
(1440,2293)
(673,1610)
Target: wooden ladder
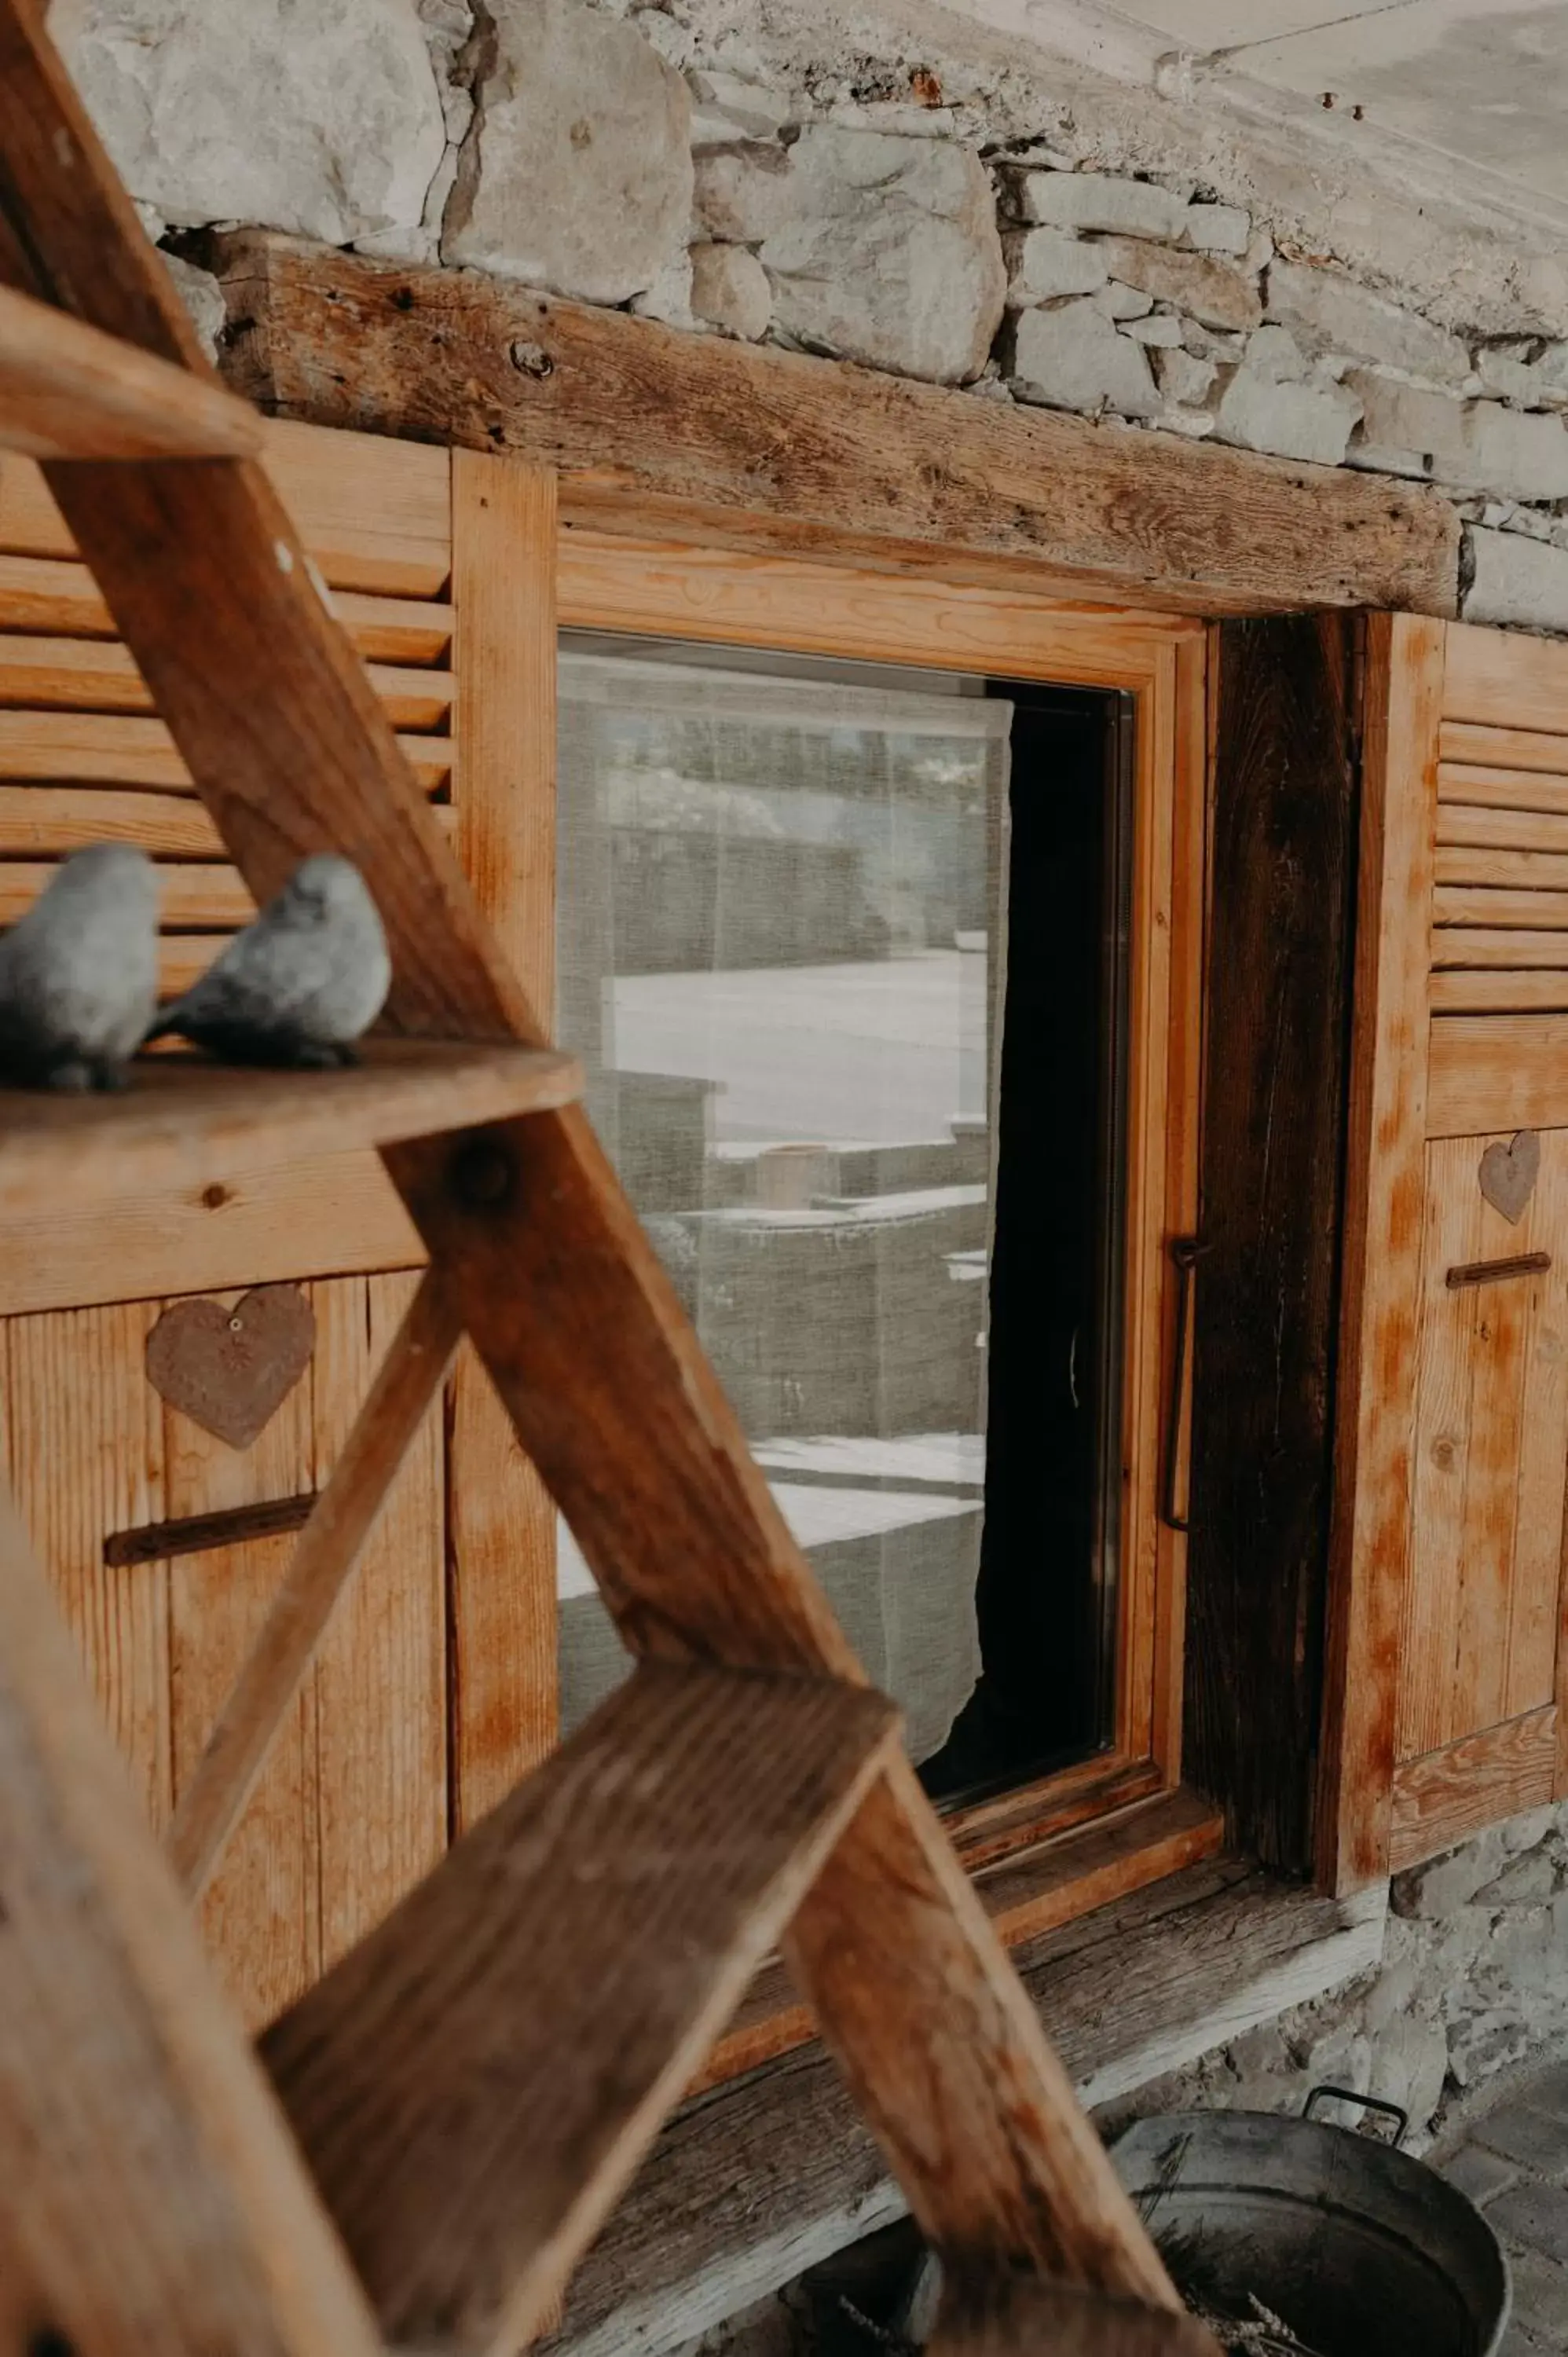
(423,2147)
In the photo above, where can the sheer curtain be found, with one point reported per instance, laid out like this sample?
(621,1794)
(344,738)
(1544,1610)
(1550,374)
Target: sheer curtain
(781,934)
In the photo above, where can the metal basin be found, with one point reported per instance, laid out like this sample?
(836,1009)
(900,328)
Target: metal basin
(1352,2243)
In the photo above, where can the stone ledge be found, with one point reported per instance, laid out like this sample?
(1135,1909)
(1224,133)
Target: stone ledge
(753,2182)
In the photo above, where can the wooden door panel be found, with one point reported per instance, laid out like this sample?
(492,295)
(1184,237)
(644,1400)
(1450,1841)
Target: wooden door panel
(1491,1448)
(352,1807)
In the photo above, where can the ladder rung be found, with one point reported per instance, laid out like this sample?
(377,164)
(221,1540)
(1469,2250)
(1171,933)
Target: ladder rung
(183,1121)
(475,2083)
(68,391)
(1028,2317)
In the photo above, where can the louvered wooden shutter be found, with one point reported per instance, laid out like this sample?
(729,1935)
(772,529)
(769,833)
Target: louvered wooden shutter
(442,569)
(1444,1694)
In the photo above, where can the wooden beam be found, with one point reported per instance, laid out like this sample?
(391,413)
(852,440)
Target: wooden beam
(68,391)
(152,2198)
(672,433)
(1283,899)
(1026,2318)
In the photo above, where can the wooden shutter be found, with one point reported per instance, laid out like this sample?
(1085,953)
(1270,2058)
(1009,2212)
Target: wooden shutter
(442,569)
(1444,1697)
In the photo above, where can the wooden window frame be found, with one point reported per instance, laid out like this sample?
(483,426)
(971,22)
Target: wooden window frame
(1021,1844)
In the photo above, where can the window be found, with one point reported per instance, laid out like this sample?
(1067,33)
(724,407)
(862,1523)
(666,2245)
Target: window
(867,946)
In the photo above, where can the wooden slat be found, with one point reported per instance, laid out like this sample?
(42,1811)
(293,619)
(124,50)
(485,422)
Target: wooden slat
(88,675)
(1500,990)
(1283,903)
(1517,871)
(112,750)
(1463,828)
(571,1313)
(249,1223)
(1542,1438)
(503,1607)
(182,1117)
(1483,948)
(83,1438)
(1498,1323)
(222,1780)
(1515,789)
(67,390)
(467,2145)
(1024,2317)
(1510,746)
(383,1801)
(194,896)
(1384,1190)
(1505,679)
(375,514)
(1465,905)
(1444,1385)
(261,1914)
(1440,1801)
(686,436)
(147,2175)
(1497,1073)
(49,821)
(47,594)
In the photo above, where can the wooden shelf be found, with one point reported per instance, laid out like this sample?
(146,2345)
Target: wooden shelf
(184,1122)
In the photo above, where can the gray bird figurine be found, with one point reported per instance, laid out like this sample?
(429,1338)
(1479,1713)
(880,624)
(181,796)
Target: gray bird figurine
(300,984)
(78,974)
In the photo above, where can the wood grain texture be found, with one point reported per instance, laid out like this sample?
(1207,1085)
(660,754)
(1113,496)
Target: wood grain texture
(260,1913)
(753,2182)
(1505,680)
(1495,1072)
(1511,790)
(1501,990)
(1024,2317)
(1380,1291)
(93,675)
(696,429)
(363,1468)
(151,2189)
(1463,905)
(501,1519)
(1509,744)
(182,1118)
(1284,853)
(1441,1800)
(380,1671)
(1482,947)
(1502,869)
(469,2146)
(1462,827)
(67,390)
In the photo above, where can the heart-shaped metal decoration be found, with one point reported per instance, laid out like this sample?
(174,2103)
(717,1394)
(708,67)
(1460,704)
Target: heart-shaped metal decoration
(230,1369)
(1509,1173)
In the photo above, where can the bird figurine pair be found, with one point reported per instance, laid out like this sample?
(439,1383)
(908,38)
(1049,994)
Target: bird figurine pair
(79,975)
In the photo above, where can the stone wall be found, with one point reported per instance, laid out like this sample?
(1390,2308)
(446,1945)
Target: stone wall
(740,170)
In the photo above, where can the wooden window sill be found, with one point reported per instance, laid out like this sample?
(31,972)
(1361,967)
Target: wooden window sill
(753,2181)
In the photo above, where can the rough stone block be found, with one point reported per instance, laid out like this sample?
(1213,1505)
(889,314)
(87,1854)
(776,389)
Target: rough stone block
(742,194)
(1097,200)
(728,107)
(1273,354)
(576,174)
(1296,421)
(1535,2216)
(1529,1882)
(730,290)
(1119,302)
(1539,2305)
(1399,416)
(1043,263)
(1216,229)
(1219,293)
(1532,2139)
(202,297)
(1330,313)
(1182,378)
(1505,370)
(1161,331)
(1514,579)
(1479,2174)
(1073,358)
(1524,456)
(890,254)
(321,117)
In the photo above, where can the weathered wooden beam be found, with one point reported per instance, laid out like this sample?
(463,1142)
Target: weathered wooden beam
(1275,1092)
(662,431)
